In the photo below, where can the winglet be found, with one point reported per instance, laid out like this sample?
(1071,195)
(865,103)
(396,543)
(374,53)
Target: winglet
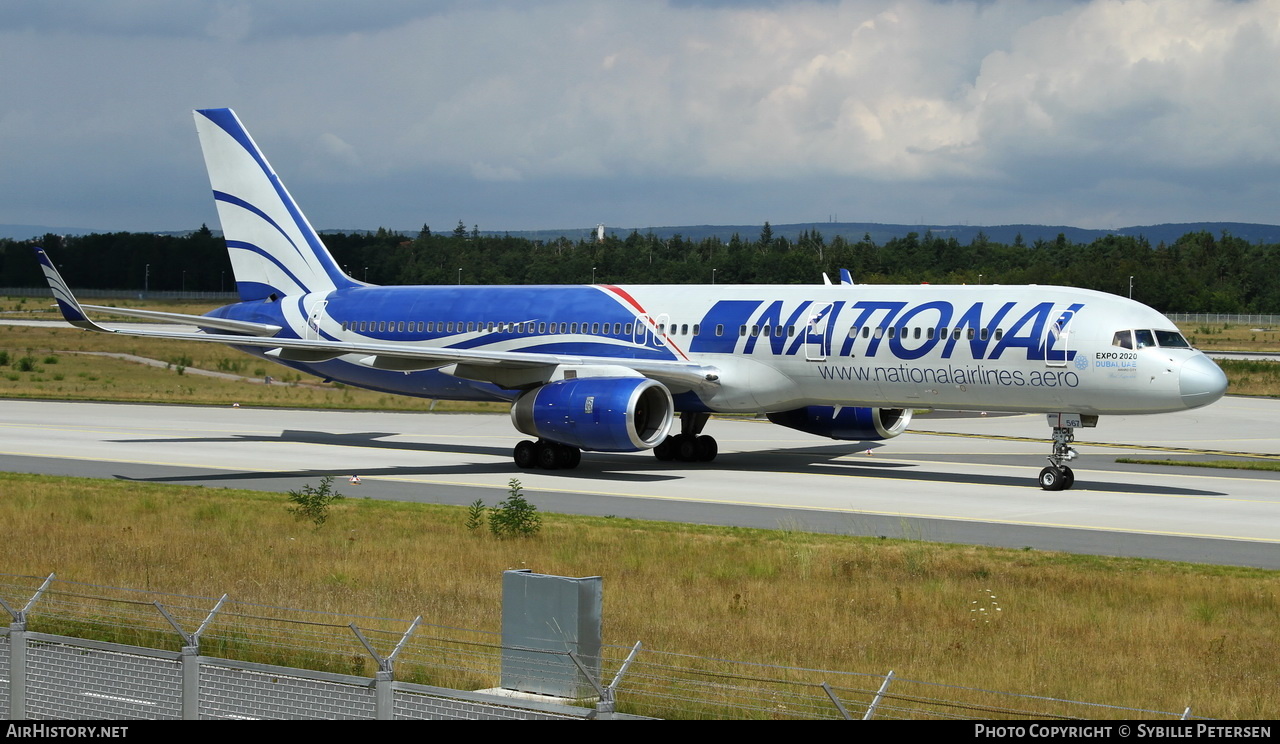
(67,302)
(846,277)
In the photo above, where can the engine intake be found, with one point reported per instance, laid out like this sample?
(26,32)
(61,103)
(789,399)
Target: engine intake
(604,414)
(861,424)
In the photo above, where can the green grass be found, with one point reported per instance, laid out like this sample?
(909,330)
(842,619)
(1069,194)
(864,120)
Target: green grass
(1222,464)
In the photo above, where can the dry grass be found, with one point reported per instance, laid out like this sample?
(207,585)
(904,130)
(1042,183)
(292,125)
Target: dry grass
(1126,632)
(1227,337)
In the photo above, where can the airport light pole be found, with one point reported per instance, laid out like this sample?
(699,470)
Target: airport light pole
(593,275)
(459,276)
(146,279)
(713,275)
(1131,288)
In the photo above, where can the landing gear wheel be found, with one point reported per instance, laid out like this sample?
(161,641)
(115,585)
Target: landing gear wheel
(1068,478)
(548,455)
(707,448)
(1051,479)
(570,456)
(526,455)
(686,448)
(666,450)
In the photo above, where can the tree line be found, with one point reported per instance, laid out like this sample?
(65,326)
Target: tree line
(1199,272)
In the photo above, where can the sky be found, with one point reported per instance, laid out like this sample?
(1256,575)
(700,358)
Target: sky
(568,113)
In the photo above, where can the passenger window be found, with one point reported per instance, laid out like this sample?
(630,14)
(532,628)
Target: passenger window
(617,329)
(999,333)
(630,329)
(955,335)
(1123,339)
(719,329)
(696,327)
(1144,338)
(928,332)
(595,328)
(970,334)
(866,331)
(879,332)
(755,330)
(742,330)
(891,330)
(985,333)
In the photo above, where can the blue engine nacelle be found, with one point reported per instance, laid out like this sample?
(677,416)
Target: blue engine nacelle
(862,424)
(604,414)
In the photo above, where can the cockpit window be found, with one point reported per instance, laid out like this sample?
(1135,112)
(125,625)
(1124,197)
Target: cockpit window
(1172,340)
(1145,338)
(1123,339)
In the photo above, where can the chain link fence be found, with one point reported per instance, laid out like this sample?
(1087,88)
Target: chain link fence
(78,650)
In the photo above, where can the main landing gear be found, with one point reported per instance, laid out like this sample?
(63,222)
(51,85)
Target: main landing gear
(546,455)
(690,445)
(1058,476)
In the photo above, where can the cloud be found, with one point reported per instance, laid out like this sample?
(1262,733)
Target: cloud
(975,111)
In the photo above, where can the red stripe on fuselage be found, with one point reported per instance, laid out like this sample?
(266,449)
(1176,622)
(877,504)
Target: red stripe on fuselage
(620,292)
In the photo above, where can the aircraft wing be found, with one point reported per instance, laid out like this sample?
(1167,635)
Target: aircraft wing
(377,355)
(225,324)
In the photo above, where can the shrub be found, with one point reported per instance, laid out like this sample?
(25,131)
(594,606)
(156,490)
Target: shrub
(313,503)
(514,516)
(475,515)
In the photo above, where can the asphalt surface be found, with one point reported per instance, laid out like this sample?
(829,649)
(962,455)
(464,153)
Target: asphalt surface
(964,479)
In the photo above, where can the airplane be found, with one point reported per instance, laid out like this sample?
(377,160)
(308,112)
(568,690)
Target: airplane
(605,368)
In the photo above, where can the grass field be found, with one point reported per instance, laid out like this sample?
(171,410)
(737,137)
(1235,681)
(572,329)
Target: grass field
(1135,633)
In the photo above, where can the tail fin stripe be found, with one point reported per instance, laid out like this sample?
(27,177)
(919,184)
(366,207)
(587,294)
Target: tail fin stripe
(222,196)
(250,247)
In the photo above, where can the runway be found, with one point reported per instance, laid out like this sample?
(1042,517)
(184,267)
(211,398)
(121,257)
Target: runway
(951,479)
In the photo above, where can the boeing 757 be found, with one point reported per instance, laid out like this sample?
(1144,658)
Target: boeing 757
(606,368)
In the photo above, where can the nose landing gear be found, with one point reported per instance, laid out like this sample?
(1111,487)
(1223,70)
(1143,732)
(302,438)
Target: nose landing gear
(1058,476)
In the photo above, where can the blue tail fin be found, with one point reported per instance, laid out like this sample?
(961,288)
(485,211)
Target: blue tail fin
(274,250)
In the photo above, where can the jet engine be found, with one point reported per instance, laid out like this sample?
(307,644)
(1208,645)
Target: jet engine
(605,414)
(862,424)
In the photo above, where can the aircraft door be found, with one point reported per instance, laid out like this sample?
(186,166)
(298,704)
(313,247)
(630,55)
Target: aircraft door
(663,322)
(817,342)
(643,330)
(1057,340)
(313,320)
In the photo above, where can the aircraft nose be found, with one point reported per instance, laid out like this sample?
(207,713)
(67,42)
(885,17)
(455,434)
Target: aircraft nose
(1201,382)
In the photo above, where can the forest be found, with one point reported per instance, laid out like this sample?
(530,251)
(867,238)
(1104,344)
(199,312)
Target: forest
(1199,272)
